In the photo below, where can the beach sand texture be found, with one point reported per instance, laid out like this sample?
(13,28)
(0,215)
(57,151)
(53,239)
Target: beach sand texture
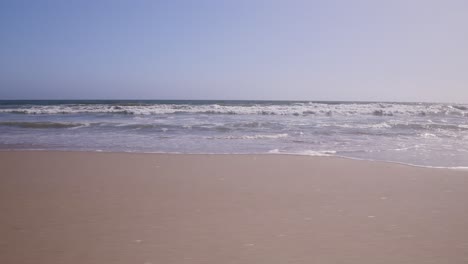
(79,207)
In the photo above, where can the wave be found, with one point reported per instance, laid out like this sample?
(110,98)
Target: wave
(41,124)
(429,126)
(296,109)
(146,125)
(250,137)
(318,153)
(395,125)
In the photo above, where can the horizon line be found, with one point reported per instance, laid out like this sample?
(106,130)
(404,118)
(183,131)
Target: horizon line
(260,100)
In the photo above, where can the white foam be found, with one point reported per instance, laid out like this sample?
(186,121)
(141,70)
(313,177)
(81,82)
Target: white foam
(454,168)
(428,135)
(250,137)
(319,153)
(380,125)
(320,109)
(323,153)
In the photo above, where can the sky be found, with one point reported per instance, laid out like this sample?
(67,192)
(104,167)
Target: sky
(368,50)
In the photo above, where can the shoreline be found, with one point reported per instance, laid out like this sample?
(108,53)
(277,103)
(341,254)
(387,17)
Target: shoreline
(332,156)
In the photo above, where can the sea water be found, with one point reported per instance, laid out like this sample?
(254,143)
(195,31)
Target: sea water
(426,134)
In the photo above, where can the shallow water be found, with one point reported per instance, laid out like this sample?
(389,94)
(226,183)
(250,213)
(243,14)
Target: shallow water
(414,133)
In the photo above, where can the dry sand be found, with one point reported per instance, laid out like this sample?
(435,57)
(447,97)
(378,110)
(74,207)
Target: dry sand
(96,208)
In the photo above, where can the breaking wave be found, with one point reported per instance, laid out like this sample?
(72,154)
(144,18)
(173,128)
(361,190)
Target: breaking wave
(41,124)
(250,137)
(294,109)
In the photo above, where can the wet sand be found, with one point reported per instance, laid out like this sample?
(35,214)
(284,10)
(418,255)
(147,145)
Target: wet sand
(79,207)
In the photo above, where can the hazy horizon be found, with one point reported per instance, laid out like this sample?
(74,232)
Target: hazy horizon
(234,100)
(398,51)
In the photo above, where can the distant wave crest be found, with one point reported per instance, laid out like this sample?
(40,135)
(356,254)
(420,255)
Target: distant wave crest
(296,109)
(40,124)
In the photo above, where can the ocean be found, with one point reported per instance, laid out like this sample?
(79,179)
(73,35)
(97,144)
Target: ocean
(423,134)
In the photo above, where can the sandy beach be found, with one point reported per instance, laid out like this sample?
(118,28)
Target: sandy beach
(80,207)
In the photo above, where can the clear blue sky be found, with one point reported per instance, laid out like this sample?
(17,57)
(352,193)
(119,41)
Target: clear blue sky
(399,50)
